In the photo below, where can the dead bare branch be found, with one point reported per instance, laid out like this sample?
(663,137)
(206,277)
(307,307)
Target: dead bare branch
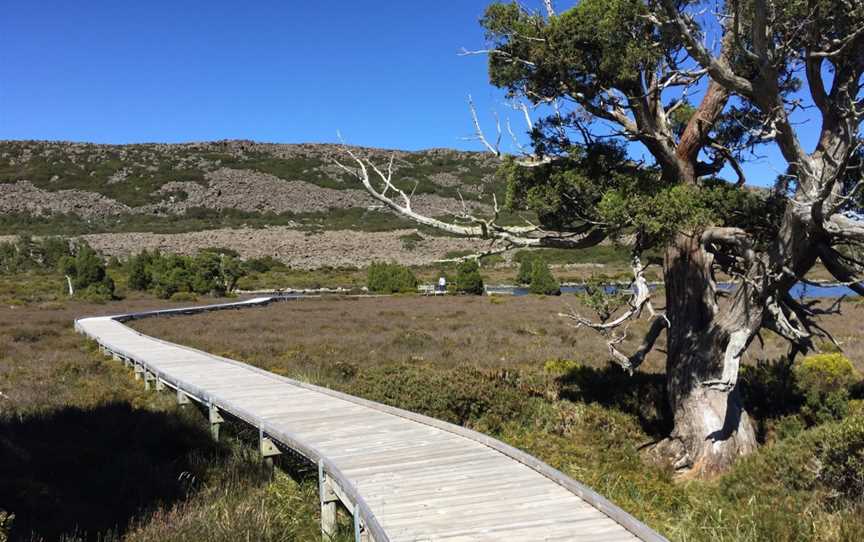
(639,302)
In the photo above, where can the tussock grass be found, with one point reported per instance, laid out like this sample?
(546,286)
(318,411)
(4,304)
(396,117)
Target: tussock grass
(475,363)
(86,454)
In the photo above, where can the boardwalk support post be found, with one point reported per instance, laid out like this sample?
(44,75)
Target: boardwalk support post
(148,378)
(182,398)
(361,534)
(328,505)
(160,384)
(138,370)
(268,449)
(215,421)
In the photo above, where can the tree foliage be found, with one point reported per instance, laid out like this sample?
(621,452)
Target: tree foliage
(28,254)
(166,275)
(86,271)
(390,278)
(542,280)
(580,55)
(526,267)
(468,279)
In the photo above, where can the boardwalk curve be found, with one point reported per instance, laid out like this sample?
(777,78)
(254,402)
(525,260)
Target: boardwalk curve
(403,476)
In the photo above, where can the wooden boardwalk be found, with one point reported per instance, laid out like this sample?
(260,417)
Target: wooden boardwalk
(403,476)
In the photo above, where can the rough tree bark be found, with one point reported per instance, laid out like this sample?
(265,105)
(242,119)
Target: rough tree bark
(711,427)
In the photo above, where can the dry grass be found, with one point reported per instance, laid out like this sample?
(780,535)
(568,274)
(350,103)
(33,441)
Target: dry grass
(75,427)
(87,454)
(481,332)
(480,362)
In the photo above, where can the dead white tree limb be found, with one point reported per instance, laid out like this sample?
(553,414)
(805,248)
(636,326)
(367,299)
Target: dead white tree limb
(640,301)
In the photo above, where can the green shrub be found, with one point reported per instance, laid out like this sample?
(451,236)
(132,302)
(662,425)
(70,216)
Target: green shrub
(96,293)
(50,250)
(842,458)
(215,274)
(542,281)
(526,268)
(789,426)
(560,367)
(86,271)
(825,373)
(771,396)
(824,381)
(461,395)
(26,253)
(231,271)
(390,278)
(209,272)
(819,468)
(468,279)
(170,274)
(11,260)
(138,266)
(184,296)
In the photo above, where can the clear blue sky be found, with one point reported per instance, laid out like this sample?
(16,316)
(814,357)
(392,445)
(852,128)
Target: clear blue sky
(385,72)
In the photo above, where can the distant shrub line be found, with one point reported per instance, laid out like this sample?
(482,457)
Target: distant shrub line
(83,268)
(212,271)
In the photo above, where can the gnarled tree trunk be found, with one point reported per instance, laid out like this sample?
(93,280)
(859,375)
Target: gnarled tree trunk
(711,427)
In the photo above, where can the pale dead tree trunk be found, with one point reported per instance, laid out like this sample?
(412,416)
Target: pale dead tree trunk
(70,289)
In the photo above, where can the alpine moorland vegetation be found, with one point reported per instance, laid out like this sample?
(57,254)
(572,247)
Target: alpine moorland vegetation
(499,365)
(80,188)
(459,360)
(86,454)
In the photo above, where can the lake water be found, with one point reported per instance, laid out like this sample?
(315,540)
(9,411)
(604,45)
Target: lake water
(800,290)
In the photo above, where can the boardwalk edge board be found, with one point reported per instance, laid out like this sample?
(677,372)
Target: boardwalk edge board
(340,483)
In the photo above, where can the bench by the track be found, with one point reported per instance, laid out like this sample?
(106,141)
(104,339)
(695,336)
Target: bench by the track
(403,476)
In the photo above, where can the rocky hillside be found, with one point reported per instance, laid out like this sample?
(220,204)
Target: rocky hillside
(95,182)
(185,196)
